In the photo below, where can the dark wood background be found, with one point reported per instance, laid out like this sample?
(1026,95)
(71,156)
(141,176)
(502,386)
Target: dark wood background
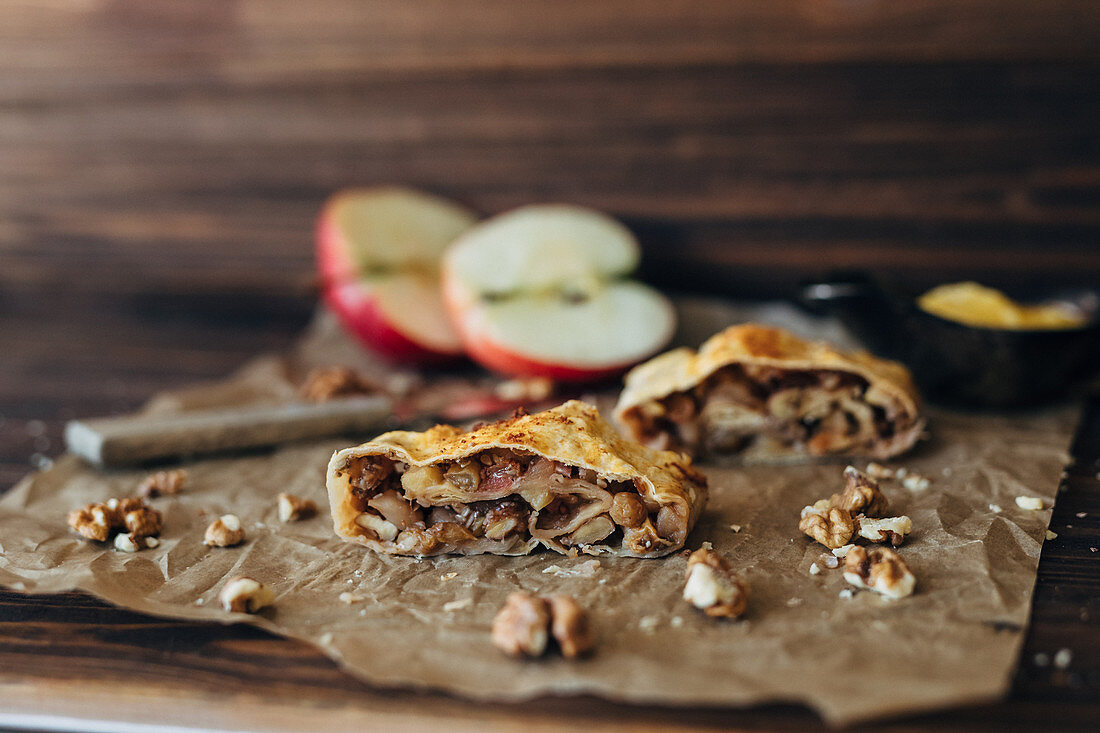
(161,164)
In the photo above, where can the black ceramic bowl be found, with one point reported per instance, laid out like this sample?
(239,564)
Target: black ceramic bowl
(959,364)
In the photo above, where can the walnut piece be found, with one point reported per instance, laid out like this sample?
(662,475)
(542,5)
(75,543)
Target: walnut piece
(100,521)
(94,521)
(225,531)
(520,627)
(134,543)
(861,495)
(293,508)
(881,570)
(570,627)
(829,525)
(712,587)
(245,595)
(162,483)
(139,518)
(325,383)
(891,530)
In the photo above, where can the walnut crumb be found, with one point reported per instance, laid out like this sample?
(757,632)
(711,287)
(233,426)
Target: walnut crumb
(815,569)
(225,531)
(162,483)
(326,383)
(712,587)
(245,595)
(1052,535)
(879,472)
(350,598)
(293,508)
(1031,503)
(831,526)
(881,570)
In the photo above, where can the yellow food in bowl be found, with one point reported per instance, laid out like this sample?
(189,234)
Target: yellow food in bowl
(976,305)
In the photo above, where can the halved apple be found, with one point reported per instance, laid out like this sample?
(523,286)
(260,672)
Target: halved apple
(378,253)
(541,291)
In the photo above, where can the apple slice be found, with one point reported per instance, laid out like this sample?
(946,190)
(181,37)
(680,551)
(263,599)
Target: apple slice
(540,291)
(378,252)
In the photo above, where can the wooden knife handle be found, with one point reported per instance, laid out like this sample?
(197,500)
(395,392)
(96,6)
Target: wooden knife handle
(132,439)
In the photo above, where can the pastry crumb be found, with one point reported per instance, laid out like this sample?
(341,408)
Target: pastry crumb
(451,606)
(587,569)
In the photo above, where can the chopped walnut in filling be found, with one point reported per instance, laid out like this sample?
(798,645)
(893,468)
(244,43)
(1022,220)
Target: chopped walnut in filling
(815,411)
(518,497)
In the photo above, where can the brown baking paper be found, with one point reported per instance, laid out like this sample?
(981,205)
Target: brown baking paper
(425,623)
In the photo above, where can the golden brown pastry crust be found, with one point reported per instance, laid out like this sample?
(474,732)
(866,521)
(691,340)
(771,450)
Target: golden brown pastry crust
(573,434)
(753,345)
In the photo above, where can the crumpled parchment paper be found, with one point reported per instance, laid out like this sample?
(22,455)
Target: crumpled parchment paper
(424,623)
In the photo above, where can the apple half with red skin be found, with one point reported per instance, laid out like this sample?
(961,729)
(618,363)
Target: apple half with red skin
(541,291)
(378,254)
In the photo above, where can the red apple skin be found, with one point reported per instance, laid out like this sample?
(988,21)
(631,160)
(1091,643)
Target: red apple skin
(362,315)
(493,356)
(351,298)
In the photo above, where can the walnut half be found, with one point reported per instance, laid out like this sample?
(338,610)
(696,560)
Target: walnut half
(245,595)
(711,586)
(829,525)
(881,570)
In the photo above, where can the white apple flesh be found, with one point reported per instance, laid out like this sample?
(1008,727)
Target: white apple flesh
(539,291)
(378,252)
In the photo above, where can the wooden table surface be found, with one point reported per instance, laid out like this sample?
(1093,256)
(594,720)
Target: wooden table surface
(161,164)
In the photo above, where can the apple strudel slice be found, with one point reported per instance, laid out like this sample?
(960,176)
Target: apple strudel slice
(763,394)
(562,479)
